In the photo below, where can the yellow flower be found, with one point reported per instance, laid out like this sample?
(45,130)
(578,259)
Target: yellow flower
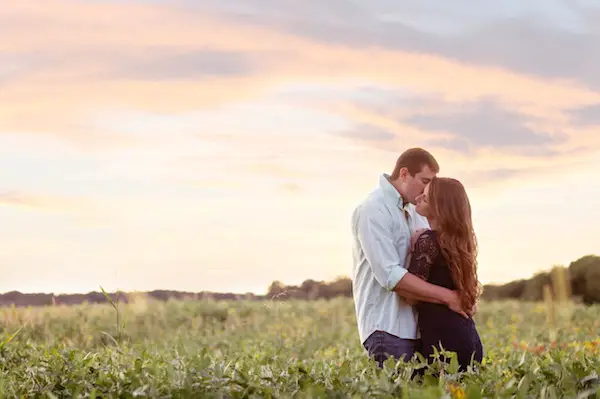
(591,346)
(540,308)
(456,391)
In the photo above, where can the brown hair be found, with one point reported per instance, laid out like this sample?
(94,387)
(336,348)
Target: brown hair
(451,210)
(414,159)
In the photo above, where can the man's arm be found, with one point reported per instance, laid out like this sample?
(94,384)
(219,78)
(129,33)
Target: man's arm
(421,257)
(415,288)
(426,252)
(410,297)
(374,231)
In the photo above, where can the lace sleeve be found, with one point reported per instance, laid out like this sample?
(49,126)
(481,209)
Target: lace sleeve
(424,256)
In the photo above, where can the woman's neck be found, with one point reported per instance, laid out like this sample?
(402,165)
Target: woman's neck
(432,224)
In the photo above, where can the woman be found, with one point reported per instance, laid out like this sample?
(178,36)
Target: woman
(446,256)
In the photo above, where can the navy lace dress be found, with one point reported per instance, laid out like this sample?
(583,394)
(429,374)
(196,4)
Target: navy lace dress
(438,323)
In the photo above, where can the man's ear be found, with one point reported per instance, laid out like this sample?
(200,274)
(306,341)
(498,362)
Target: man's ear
(403,174)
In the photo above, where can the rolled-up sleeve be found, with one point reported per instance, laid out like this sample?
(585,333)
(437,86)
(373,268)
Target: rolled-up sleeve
(375,234)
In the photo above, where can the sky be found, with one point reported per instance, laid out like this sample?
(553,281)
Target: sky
(220,145)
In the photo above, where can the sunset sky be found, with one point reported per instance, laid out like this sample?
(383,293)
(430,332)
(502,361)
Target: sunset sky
(223,144)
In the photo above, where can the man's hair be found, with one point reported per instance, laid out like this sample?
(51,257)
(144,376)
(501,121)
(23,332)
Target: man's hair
(414,159)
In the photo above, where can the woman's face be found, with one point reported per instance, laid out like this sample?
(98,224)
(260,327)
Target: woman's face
(422,206)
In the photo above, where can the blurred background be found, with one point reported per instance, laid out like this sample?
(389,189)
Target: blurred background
(222,145)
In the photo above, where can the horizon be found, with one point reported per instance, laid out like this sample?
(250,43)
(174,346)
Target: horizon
(137,158)
(298,283)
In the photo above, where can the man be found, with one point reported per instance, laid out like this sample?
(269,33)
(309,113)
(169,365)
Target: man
(382,226)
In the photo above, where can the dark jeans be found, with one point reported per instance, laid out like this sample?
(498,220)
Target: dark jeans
(382,345)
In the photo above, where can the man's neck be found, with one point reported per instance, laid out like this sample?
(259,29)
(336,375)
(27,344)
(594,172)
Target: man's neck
(396,185)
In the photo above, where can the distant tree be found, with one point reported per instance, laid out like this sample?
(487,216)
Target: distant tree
(512,290)
(534,287)
(592,287)
(311,289)
(585,278)
(582,279)
(276,288)
(342,286)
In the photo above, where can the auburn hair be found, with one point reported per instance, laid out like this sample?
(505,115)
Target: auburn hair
(451,209)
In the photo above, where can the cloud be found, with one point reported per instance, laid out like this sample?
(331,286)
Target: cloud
(587,115)
(485,141)
(531,49)
(482,124)
(195,64)
(36,201)
(500,174)
(498,36)
(372,133)
(492,179)
(290,187)
(85,59)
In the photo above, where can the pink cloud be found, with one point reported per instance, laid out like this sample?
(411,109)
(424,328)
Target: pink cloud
(37,201)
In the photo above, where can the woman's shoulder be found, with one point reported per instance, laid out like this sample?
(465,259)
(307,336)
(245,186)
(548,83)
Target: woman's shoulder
(428,241)
(428,235)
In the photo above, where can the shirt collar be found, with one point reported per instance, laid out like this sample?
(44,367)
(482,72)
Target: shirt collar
(390,192)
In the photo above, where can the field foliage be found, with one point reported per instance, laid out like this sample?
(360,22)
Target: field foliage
(247,349)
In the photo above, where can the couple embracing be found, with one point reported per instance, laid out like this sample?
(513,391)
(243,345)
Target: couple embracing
(415,283)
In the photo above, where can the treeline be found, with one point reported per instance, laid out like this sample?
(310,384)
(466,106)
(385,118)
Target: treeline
(311,289)
(19,299)
(582,283)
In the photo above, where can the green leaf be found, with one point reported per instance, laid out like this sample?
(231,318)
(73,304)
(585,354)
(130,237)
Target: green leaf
(10,338)
(454,366)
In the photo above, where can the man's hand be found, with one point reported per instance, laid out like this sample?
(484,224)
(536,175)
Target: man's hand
(411,301)
(455,304)
(415,237)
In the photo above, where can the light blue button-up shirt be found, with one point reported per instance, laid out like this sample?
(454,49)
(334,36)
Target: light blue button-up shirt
(381,238)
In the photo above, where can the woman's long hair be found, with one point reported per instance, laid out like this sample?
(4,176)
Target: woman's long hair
(451,210)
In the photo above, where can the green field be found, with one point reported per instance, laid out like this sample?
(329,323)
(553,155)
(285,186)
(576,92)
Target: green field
(279,349)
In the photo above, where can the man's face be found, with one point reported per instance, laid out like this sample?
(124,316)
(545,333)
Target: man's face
(413,186)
